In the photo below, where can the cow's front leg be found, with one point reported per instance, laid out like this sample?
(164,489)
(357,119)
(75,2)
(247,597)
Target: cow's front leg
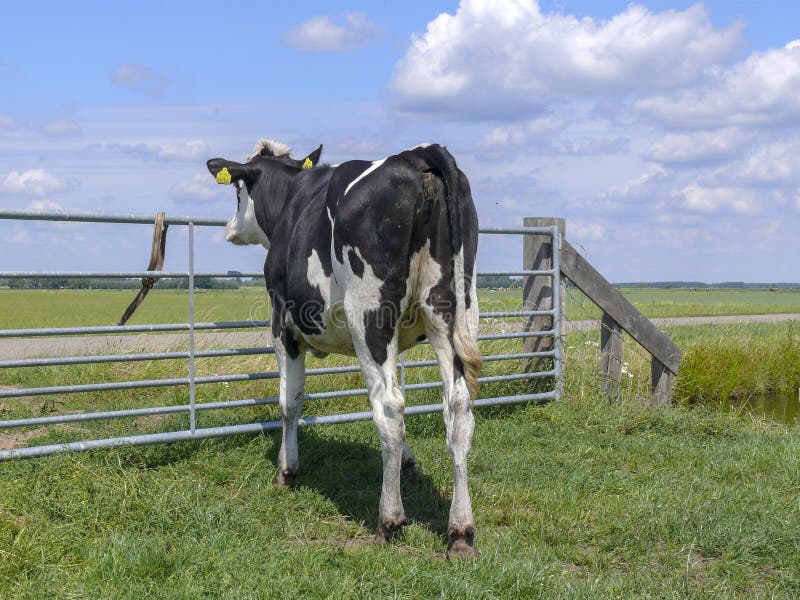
(291,364)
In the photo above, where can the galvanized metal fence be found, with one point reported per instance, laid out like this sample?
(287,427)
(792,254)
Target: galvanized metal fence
(553,355)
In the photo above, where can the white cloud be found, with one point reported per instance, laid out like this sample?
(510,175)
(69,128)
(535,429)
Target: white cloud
(584,230)
(44,205)
(641,188)
(763,89)
(35,182)
(7,123)
(518,135)
(140,78)
(200,188)
(771,164)
(708,200)
(323,34)
(191,150)
(502,58)
(62,128)
(697,147)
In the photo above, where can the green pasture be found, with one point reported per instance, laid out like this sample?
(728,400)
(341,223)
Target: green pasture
(575,499)
(54,308)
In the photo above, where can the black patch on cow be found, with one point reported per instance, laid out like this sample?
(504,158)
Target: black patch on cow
(356,264)
(290,343)
(388,216)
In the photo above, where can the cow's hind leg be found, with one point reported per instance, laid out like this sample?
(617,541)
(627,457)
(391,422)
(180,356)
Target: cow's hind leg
(388,406)
(459,425)
(291,364)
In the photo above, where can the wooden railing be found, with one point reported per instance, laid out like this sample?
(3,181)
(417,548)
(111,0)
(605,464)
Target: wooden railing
(618,314)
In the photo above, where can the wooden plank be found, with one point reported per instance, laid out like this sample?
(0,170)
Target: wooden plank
(614,304)
(610,356)
(661,380)
(537,292)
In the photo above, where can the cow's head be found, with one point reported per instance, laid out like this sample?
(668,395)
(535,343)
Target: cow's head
(255,180)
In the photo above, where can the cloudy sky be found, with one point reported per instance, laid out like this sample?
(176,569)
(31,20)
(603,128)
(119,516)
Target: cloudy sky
(667,134)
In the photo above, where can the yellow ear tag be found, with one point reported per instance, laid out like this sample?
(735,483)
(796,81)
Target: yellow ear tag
(224,176)
(308,164)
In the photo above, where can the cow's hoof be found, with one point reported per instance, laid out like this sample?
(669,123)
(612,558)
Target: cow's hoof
(285,478)
(461,542)
(386,529)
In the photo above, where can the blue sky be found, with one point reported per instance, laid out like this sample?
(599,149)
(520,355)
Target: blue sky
(666,133)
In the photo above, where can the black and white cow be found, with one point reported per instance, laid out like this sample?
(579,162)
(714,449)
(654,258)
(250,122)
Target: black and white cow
(367,259)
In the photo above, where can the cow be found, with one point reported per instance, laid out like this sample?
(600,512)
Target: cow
(368,258)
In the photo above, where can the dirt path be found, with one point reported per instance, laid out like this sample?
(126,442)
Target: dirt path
(92,345)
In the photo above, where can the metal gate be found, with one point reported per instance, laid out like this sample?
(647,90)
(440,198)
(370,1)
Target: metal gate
(553,355)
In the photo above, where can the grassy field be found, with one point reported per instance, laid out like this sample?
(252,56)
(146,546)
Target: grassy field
(572,500)
(54,308)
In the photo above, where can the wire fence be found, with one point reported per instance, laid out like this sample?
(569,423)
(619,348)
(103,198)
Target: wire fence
(66,399)
(591,370)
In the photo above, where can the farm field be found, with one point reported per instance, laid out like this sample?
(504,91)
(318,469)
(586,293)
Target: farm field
(54,308)
(587,499)
(572,500)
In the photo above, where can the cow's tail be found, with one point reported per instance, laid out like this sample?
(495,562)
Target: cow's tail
(465,327)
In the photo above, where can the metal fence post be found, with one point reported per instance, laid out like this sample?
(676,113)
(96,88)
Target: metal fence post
(537,254)
(192,407)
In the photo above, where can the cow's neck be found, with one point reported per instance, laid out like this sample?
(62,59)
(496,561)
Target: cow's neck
(272,198)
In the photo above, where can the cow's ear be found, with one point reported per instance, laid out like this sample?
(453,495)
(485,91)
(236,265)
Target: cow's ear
(227,171)
(312,160)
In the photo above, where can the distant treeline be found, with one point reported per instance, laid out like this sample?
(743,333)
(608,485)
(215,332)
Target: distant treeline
(74,283)
(725,285)
(234,283)
(202,283)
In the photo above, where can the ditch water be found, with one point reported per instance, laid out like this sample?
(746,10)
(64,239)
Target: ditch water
(780,408)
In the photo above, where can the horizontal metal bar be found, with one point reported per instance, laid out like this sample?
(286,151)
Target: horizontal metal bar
(119,274)
(111,358)
(247,428)
(532,273)
(118,329)
(98,217)
(178,381)
(516,334)
(179,408)
(550,230)
(133,412)
(517,313)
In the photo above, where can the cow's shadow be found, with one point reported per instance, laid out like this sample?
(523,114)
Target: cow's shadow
(350,474)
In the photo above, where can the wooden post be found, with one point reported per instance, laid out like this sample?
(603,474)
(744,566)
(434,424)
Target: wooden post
(537,254)
(610,356)
(661,383)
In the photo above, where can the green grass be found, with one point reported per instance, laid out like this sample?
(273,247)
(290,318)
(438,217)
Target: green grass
(576,499)
(572,500)
(55,308)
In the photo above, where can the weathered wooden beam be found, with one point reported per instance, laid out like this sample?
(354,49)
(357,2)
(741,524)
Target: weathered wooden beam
(537,292)
(661,380)
(614,304)
(610,356)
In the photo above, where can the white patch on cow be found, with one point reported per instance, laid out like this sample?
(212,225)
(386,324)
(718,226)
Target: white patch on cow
(316,277)
(243,228)
(361,294)
(271,146)
(366,172)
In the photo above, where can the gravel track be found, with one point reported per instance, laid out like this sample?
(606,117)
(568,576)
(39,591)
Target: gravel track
(19,348)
